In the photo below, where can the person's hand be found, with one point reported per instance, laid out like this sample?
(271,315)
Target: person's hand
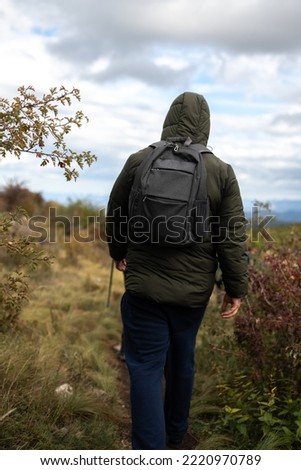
(230,306)
(121,265)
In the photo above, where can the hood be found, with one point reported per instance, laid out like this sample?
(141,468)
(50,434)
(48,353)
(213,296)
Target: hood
(188,116)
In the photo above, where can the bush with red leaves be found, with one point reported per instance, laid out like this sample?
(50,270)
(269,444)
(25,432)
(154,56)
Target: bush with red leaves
(268,329)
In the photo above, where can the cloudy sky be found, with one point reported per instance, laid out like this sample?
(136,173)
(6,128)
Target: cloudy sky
(131,58)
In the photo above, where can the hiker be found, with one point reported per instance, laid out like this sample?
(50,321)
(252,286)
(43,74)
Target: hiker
(167,288)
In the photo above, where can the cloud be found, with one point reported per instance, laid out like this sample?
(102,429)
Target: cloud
(292,120)
(131,58)
(252,25)
(129,35)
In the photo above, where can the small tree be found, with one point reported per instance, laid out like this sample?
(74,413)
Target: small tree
(33,125)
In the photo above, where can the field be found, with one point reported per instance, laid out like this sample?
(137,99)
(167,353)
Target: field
(64,387)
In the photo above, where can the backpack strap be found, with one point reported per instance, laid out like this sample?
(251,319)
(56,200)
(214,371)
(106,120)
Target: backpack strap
(202,188)
(160,143)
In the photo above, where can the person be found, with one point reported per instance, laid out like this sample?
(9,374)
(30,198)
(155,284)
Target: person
(167,289)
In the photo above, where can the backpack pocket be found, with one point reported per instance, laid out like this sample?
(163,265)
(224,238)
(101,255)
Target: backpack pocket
(168,220)
(171,184)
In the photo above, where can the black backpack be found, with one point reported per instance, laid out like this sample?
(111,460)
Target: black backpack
(168,203)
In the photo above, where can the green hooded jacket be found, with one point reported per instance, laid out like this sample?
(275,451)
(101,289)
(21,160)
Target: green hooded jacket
(184,275)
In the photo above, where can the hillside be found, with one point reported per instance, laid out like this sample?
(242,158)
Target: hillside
(64,387)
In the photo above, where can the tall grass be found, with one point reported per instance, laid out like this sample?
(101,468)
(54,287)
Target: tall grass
(247,387)
(65,335)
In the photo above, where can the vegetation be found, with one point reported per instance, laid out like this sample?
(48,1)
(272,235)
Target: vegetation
(29,124)
(62,385)
(57,365)
(32,124)
(249,369)
(247,387)
(64,340)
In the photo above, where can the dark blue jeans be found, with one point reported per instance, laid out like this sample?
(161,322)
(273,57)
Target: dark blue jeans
(159,340)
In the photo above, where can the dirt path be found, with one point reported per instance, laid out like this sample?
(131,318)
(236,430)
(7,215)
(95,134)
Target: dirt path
(189,443)
(123,385)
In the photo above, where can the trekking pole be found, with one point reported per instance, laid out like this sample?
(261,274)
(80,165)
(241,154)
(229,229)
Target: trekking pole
(110,283)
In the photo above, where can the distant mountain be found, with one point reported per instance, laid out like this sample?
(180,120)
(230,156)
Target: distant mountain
(285,211)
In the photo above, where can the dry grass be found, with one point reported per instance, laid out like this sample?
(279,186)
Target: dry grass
(66,334)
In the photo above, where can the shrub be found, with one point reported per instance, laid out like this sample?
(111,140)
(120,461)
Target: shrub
(25,257)
(16,194)
(269,328)
(254,411)
(254,360)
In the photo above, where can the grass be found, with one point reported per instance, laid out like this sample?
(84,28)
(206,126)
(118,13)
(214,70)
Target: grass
(256,422)
(65,335)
